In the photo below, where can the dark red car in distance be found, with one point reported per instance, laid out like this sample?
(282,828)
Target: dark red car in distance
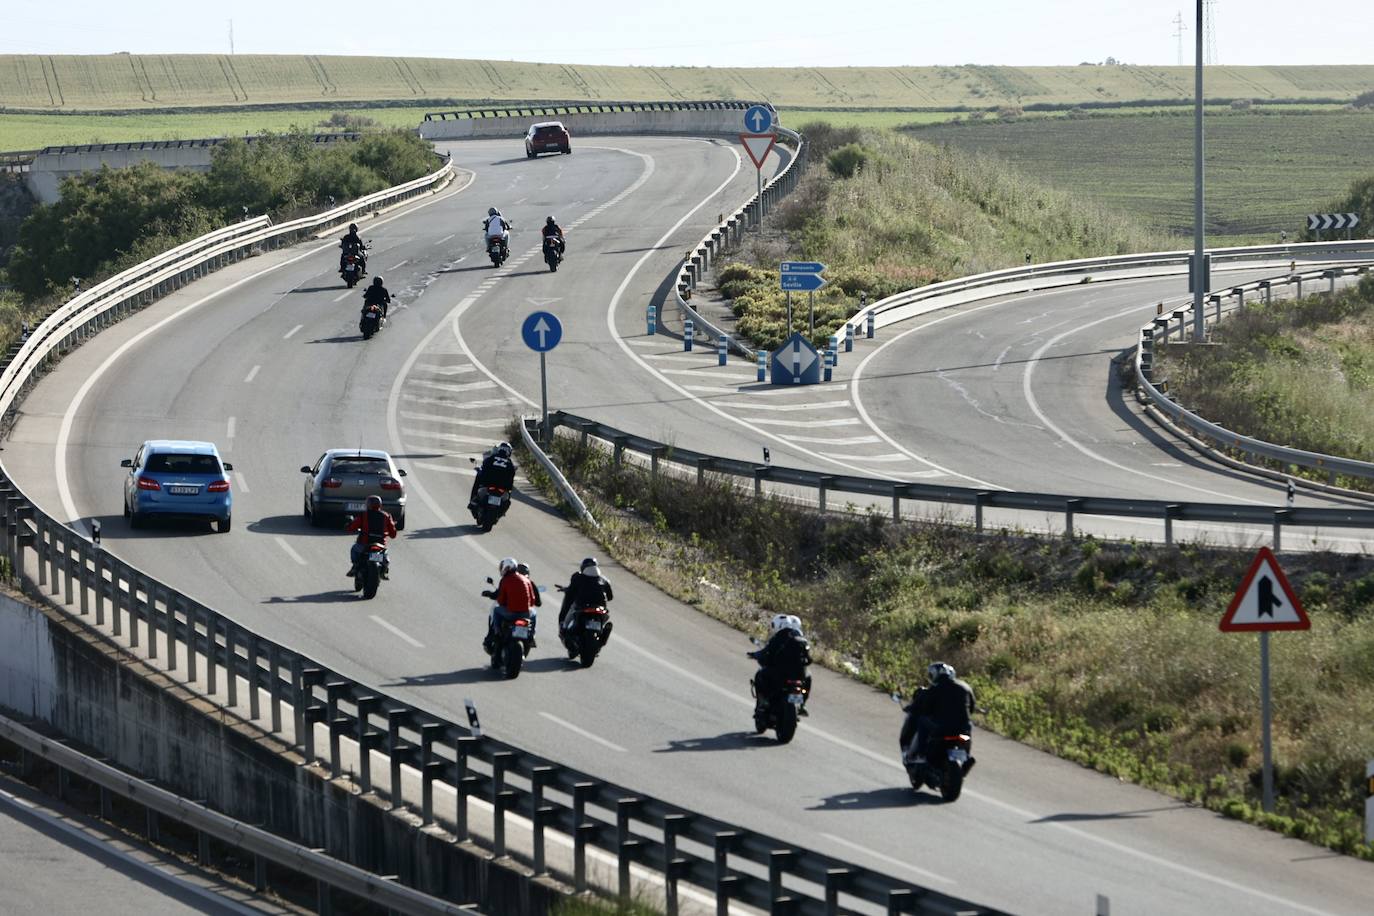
(547,137)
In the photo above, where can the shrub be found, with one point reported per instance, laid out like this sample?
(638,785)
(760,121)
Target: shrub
(847,161)
(1242,104)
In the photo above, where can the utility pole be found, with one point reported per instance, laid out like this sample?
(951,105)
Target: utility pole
(1199,286)
(231,37)
(1179,29)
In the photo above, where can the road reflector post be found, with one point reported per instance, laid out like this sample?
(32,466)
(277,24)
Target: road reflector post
(848,337)
(835,348)
(870,325)
(652,316)
(687,329)
(722,349)
(1298,279)
(829,363)
(763,365)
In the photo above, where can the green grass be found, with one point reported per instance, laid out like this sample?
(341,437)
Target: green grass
(1265,172)
(1297,373)
(119,81)
(1105,654)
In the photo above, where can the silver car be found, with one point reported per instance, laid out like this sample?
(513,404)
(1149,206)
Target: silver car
(342,480)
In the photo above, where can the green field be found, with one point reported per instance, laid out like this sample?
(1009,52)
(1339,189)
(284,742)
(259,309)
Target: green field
(148,81)
(1265,171)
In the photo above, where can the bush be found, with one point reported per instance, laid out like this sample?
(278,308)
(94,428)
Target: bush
(1364,100)
(847,161)
(1242,104)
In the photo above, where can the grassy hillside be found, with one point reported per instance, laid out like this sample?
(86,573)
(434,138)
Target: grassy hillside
(1265,172)
(142,81)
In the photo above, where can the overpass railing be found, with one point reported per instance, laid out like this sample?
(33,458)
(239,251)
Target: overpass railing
(552,109)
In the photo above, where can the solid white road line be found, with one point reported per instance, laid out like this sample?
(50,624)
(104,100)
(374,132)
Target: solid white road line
(929,875)
(242,484)
(451,404)
(491,423)
(343,295)
(445,370)
(583,732)
(821,440)
(810,424)
(702,371)
(290,551)
(288,334)
(890,458)
(252,374)
(397,631)
(810,405)
(454,387)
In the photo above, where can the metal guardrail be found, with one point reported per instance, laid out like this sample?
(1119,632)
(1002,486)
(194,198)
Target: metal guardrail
(730,233)
(1161,328)
(17,160)
(569,108)
(265,847)
(207,142)
(979,500)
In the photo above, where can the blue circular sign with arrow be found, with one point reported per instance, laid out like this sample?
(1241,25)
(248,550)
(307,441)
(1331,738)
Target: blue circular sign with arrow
(542,331)
(758,119)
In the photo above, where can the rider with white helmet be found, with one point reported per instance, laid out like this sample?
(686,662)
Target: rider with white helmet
(784,658)
(942,708)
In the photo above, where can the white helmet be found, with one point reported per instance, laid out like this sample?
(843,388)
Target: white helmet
(507,564)
(784,622)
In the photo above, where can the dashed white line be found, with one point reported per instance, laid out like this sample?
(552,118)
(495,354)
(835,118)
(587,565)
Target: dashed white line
(398,632)
(399,265)
(288,334)
(252,374)
(242,484)
(229,433)
(583,732)
(290,551)
(445,239)
(343,295)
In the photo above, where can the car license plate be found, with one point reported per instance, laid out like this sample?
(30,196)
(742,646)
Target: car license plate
(520,632)
(958,754)
(594,625)
(795,699)
(493,500)
(354,507)
(183,491)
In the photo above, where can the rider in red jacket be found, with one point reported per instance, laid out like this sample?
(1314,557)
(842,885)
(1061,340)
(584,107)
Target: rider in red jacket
(374,526)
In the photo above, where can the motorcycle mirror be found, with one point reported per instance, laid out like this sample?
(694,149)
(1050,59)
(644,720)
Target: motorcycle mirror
(401,471)
(471,460)
(895,697)
(755,640)
(489,582)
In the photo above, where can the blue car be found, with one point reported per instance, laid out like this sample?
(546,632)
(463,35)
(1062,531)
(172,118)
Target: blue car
(178,479)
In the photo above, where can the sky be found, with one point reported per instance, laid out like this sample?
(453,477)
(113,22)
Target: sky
(796,33)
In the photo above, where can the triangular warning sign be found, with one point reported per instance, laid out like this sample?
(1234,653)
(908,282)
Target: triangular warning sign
(758,146)
(1265,600)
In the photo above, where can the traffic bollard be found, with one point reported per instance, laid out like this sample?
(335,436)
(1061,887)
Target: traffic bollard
(763,365)
(722,349)
(870,325)
(848,337)
(687,335)
(829,363)
(835,347)
(653,320)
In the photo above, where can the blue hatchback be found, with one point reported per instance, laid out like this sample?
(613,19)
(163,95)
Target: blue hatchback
(179,479)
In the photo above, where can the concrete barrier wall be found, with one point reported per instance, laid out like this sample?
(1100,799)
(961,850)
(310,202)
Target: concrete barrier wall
(714,121)
(44,177)
(53,670)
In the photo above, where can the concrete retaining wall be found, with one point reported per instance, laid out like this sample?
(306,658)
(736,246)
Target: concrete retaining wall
(714,121)
(44,177)
(52,670)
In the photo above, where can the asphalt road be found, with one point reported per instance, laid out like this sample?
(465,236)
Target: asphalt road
(264,358)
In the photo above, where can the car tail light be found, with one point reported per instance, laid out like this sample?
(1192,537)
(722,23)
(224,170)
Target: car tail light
(332,483)
(218,486)
(148,483)
(391,483)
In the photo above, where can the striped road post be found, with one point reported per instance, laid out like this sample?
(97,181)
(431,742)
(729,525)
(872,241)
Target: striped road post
(763,365)
(848,337)
(829,362)
(652,316)
(687,329)
(870,325)
(835,348)
(722,349)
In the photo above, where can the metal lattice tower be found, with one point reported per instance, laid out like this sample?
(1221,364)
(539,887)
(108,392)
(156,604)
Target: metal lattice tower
(1179,29)
(1209,34)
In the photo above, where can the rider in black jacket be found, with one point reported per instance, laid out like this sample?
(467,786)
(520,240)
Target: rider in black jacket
(586,588)
(352,243)
(784,658)
(943,708)
(376,294)
(497,470)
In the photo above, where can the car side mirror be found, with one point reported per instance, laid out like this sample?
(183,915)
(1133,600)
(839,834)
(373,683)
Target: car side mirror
(228,466)
(305,469)
(401,472)
(127,463)
(471,460)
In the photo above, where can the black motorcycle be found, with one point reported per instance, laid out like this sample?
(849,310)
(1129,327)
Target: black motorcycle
(372,321)
(587,631)
(352,270)
(782,709)
(509,645)
(553,254)
(491,504)
(948,758)
(497,250)
(367,575)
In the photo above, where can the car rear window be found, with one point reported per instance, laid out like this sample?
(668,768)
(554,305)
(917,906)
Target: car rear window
(361,466)
(183,464)
(546,132)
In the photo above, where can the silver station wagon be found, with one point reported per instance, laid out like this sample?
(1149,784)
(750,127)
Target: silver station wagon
(342,479)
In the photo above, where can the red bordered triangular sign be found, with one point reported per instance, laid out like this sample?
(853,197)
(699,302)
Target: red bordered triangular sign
(758,146)
(1265,600)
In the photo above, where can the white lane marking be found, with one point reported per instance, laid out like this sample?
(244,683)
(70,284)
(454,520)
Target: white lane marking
(252,374)
(583,732)
(810,424)
(889,458)
(243,484)
(446,370)
(397,631)
(930,875)
(704,358)
(445,239)
(701,371)
(343,295)
(64,432)
(229,433)
(647,342)
(455,405)
(489,423)
(453,387)
(399,265)
(811,405)
(288,334)
(290,551)
(444,469)
(446,437)
(822,440)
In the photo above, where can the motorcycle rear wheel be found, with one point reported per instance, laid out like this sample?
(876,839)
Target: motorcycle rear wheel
(952,783)
(590,646)
(514,658)
(371,579)
(787,722)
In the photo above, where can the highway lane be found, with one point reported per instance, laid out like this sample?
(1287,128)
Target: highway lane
(666,708)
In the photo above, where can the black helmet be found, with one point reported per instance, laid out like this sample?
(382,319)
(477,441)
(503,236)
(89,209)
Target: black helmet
(376,281)
(550,221)
(352,227)
(503,449)
(938,671)
(374,502)
(492,211)
(589,561)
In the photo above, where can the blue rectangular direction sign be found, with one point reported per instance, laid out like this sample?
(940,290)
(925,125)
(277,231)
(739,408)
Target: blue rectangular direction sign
(802,282)
(803,267)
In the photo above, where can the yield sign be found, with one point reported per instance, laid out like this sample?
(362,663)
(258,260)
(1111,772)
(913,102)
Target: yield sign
(758,146)
(1265,600)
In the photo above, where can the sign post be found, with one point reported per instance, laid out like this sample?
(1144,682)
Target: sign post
(758,140)
(1263,603)
(802,275)
(542,331)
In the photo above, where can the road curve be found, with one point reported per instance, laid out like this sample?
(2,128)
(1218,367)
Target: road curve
(271,369)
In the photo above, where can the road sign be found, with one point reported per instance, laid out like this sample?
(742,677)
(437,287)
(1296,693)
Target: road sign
(1319,221)
(758,119)
(801,282)
(542,331)
(1265,601)
(802,267)
(796,362)
(758,146)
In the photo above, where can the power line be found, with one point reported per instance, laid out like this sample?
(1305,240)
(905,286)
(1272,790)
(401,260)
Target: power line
(1179,29)
(1209,19)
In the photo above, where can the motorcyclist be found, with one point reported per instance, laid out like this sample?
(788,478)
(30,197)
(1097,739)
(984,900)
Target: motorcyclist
(587,588)
(553,230)
(373,525)
(497,470)
(784,658)
(496,226)
(943,708)
(351,243)
(514,596)
(524,570)
(376,294)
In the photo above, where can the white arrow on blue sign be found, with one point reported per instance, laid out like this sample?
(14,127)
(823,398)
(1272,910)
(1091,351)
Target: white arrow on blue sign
(805,283)
(757,119)
(803,267)
(542,331)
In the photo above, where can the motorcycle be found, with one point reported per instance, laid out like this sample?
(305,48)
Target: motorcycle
(511,642)
(367,575)
(948,760)
(372,321)
(552,255)
(586,633)
(498,250)
(781,711)
(352,270)
(492,503)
